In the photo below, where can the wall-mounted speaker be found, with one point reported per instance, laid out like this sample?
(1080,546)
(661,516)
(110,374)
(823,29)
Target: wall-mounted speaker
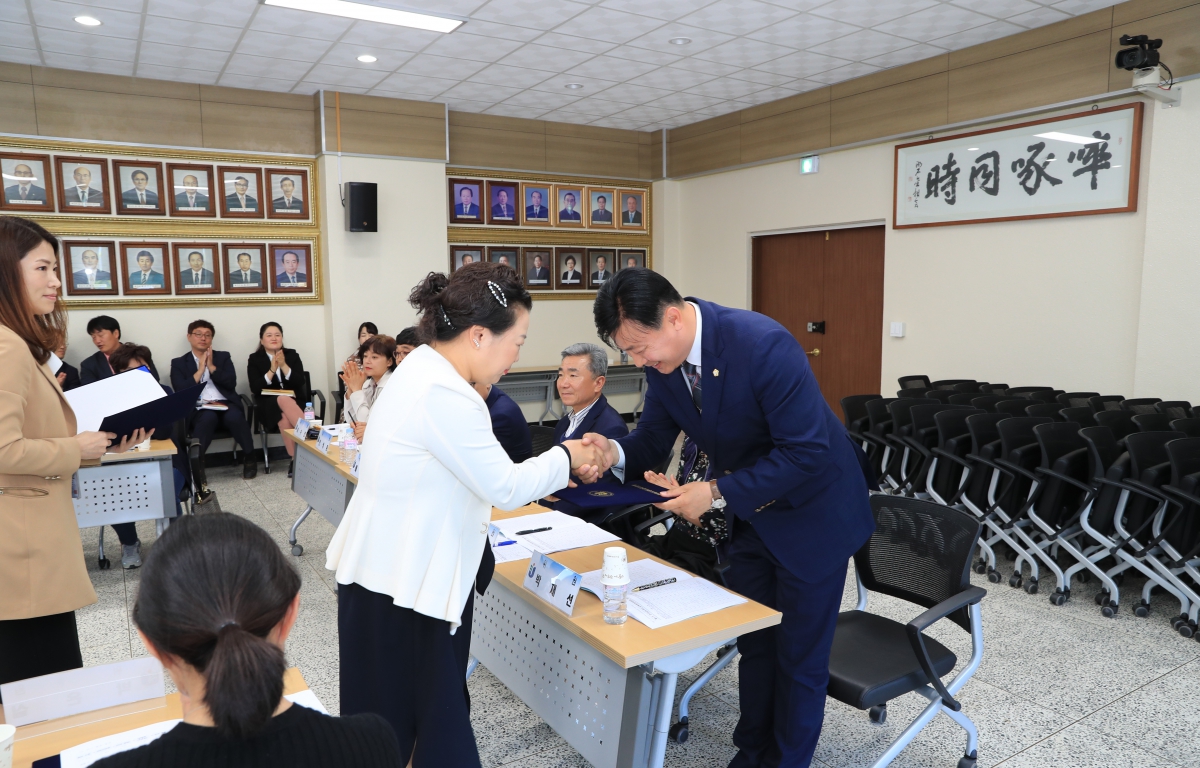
(361,204)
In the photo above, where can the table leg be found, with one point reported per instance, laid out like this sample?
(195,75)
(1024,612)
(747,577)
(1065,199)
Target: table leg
(298,549)
(471,664)
(662,719)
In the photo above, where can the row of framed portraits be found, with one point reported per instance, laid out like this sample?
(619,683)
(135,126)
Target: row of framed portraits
(564,268)
(143,188)
(95,268)
(538,204)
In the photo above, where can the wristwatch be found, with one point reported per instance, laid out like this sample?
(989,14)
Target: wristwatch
(718,500)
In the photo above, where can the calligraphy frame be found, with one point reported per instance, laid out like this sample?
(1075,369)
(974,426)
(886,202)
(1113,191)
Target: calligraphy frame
(1135,153)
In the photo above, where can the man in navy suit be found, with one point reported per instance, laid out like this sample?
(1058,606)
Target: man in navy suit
(25,190)
(501,209)
(240,199)
(602,215)
(139,196)
(146,277)
(244,276)
(536,211)
(581,378)
(290,277)
(508,422)
(568,213)
(787,476)
(83,193)
(191,199)
(106,335)
(91,276)
(466,206)
(218,405)
(196,276)
(539,274)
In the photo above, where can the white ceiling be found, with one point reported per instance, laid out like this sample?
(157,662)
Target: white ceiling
(514,57)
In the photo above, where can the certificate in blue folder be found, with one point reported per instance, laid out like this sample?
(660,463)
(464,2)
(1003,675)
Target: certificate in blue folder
(613,494)
(158,415)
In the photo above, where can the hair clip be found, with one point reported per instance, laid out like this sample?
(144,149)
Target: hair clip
(446,318)
(498,293)
(230,623)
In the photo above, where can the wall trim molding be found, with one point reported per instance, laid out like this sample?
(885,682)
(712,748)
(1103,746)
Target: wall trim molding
(334,153)
(157,147)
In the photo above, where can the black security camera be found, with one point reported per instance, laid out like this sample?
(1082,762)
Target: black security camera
(1143,56)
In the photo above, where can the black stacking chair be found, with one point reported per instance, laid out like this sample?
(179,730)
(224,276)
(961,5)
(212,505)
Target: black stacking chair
(920,553)
(1108,464)
(1043,396)
(922,438)
(1152,422)
(945,479)
(1176,409)
(993,389)
(970,386)
(1076,399)
(962,398)
(1189,427)
(1026,392)
(543,438)
(879,426)
(988,402)
(950,383)
(1140,405)
(913,382)
(1044,409)
(1183,537)
(1120,422)
(976,482)
(1106,402)
(854,412)
(913,392)
(1019,454)
(1081,415)
(1013,406)
(941,395)
(897,466)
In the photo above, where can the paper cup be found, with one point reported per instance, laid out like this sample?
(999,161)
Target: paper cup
(616,567)
(7,734)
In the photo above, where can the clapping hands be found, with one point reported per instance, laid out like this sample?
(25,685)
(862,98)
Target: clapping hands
(353,376)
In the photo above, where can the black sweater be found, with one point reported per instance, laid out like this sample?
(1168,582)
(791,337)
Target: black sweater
(297,738)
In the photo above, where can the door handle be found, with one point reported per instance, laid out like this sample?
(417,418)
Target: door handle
(814,353)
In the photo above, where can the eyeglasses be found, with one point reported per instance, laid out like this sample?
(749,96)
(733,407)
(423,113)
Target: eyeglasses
(202,335)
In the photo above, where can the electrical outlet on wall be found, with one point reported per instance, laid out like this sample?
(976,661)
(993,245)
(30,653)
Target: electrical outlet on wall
(897,330)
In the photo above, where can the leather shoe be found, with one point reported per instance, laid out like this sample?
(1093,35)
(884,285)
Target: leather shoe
(249,468)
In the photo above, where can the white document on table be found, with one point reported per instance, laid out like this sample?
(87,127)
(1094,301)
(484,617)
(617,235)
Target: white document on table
(644,571)
(549,519)
(307,698)
(85,754)
(560,539)
(510,552)
(677,602)
(116,394)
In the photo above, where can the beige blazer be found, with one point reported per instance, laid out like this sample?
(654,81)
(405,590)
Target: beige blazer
(42,570)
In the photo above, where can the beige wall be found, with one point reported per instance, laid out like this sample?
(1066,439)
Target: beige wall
(1049,302)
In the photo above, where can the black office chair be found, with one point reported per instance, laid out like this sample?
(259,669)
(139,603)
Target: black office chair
(1189,427)
(1026,392)
(941,395)
(1106,402)
(1120,422)
(1140,405)
(1076,399)
(1152,422)
(913,382)
(921,553)
(1081,415)
(264,430)
(989,402)
(1176,409)
(543,438)
(962,398)
(993,389)
(854,412)
(1013,406)
(1044,409)
(970,386)
(951,384)
(913,392)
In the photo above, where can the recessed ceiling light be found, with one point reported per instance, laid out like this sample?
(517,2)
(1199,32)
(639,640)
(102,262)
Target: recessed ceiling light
(680,40)
(972,149)
(372,13)
(367,58)
(88,21)
(573,86)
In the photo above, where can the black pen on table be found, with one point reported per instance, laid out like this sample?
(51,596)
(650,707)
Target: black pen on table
(662,583)
(534,530)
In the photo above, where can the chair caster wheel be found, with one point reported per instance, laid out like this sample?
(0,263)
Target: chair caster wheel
(966,762)
(104,563)
(878,714)
(1085,577)
(980,568)
(678,733)
(1010,555)
(297,550)
(994,576)
(1102,597)
(1187,629)
(1141,610)
(1058,598)
(1014,581)
(1108,610)
(1178,622)
(724,649)
(1031,586)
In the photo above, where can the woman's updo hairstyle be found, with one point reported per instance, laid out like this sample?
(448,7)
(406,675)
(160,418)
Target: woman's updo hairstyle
(212,589)
(478,294)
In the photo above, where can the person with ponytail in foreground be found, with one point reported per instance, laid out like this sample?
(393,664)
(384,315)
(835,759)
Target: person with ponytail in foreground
(409,548)
(216,603)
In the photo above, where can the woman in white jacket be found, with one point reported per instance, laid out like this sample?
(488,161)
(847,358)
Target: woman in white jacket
(409,547)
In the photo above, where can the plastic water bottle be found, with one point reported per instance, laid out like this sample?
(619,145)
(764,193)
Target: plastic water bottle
(615,609)
(309,413)
(349,446)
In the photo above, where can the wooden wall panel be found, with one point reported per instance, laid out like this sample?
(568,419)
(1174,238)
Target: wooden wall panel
(372,125)
(78,114)
(790,104)
(258,128)
(132,86)
(1143,9)
(898,108)
(801,130)
(1180,33)
(656,155)
(1096,21)
(19,114)
(893,76)
(716,149)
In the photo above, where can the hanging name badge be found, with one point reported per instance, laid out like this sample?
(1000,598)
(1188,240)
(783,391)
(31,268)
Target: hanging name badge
(301,429)
(323,440)
(354,466)
(553,582)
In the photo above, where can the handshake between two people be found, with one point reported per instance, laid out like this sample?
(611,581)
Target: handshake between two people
(591,457)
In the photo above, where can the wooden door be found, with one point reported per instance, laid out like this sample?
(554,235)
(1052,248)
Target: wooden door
(835,277)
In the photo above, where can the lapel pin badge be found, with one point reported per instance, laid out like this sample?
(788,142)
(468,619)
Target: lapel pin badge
(716,372)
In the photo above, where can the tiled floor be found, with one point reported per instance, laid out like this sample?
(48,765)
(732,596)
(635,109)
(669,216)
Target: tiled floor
(1059,686)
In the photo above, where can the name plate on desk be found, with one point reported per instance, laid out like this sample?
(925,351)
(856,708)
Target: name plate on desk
(81,690)
(553,582)
(354,466)
(301,430)
(324,440)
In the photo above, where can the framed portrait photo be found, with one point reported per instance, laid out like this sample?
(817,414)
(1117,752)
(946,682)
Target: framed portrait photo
(240,192)
(462,255)
(503,254)
(600,266)
(631,209)
(139,190)
(82,184)
(197,268)
(91,267)
(502,199)
(288,192)
(146,269)
(627,259)
(26,183)
(242,265)
(291,268)
(536,202)
(569,264)
(536,264)
(569,205)
(600,208)
(466,195)
(191,191)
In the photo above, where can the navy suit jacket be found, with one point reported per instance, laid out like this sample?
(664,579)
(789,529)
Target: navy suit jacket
(35,193)
(96,367)
(782,460)
(471,210)
(183,368)
(602,419)
(130,197)
(541,212)
(72,380)
(206,278)
(181,201)
(509,425)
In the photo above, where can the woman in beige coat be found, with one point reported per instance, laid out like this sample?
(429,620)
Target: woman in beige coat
(43,579)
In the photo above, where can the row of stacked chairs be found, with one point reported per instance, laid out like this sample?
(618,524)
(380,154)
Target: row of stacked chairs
(1076,484)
